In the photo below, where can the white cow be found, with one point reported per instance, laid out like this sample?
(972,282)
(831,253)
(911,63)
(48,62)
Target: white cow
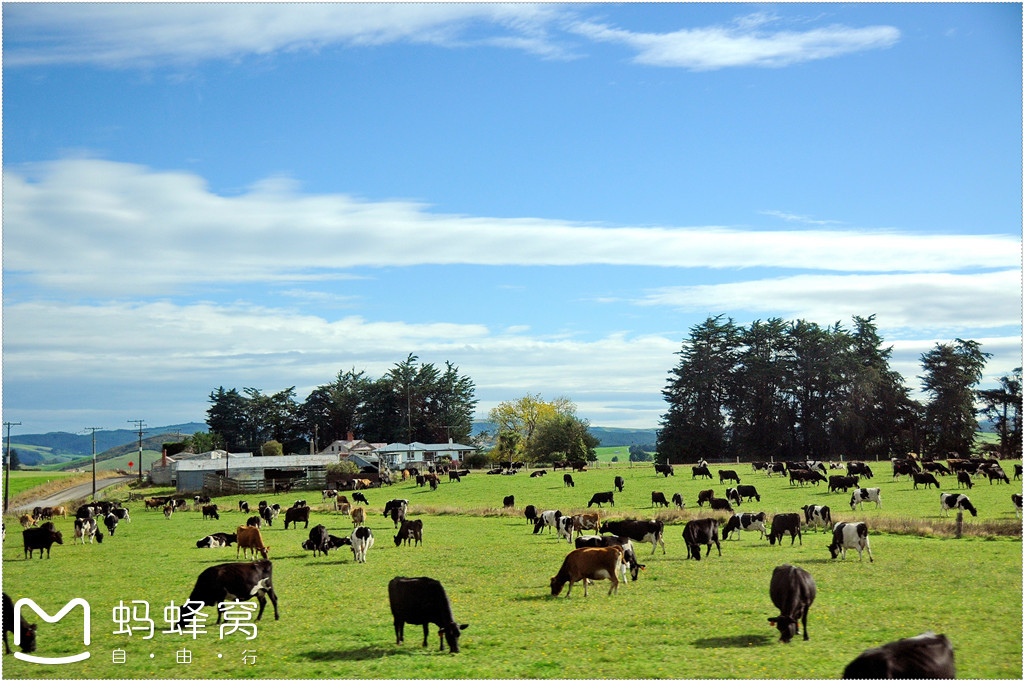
(866,494)
(362,540)
(850,536)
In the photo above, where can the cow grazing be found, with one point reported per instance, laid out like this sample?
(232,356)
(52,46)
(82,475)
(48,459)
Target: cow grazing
(658,498)
(747,522)
(216,540)
(817,514)
(454,476)
(86,528)
(530,512)
(863,494)
(928,656)
(677,500)
(1016,499)
(996,473)
(720,504)
(538,474)
(705,495)
(337,542)
(925,479)
(267,515)
(27,520)
(234,581)
(701,472)
(243,506)
(546,519)
(168,511)
(297,515)
(362,541)
(359,498)
(250,539)
(121,513)
(422,600)
(358,516)
(957,501)
(629,562)
(564,526)
(110,521)
(567,480)
(26,631)
(850,536)
(509,501)
(41,538)
(602,498)
(591,563)
(783,523)
(935,467)
(699,532)
(776,467)
(210,512)
(254,521)
(411,532)
(619,483)
(396,508)
(585,521)
(317,540)
(842,483)
(733,494)
(665,469)
(726,474)
(345,509)
(748,492)
(641,531)
(963,479)
(792,591)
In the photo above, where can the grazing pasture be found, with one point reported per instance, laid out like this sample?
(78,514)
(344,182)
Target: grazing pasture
(706,619)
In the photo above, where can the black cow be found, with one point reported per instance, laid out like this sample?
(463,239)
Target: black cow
(726,474)
(904,467)
(677,500)
(748,492)
(531,513)
(720,504)
(231,581)
(783,523)
(211,512)
(411,531)
(296,515)
(111,522)
(701,472)
(699,532)
(602,498)
(26,631)
(1017,471)
(509,501)
(216,540)
(858,468)
(792,590)
(537,474)
(454,476)
(665,469)
(925,479)
(619,483)
(267,514)
(996,473)
(928,656)
(357,497)
(396,508)
(638,530)
(705,495)
(254,521)
(317,540)
(935,467)
(842,482)
(658,498)
(963,479)
(567,480)
(41,538)
(422,600)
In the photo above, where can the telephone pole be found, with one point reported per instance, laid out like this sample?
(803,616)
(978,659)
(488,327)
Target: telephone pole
(93,429)
(7,482)
(141,423)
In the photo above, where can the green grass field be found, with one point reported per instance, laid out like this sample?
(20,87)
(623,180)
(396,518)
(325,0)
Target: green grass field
(22,481)
(682,619)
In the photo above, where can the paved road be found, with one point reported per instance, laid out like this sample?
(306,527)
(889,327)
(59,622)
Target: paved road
(76,492)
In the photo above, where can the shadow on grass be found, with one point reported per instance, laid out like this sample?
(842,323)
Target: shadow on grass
(365,653)
(742,641)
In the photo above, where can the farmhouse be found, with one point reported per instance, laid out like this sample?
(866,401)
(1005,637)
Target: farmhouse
(253,473)
(164,470)
(400,455)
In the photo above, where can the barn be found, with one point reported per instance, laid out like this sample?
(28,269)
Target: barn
(232,475)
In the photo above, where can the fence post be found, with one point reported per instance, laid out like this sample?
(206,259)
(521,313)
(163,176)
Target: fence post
(959,523)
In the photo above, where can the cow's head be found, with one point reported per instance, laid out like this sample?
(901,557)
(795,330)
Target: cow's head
(834,550)
(28,637)
(787,626)
(451,632)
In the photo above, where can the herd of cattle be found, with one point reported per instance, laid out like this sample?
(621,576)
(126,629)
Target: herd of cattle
(609,553)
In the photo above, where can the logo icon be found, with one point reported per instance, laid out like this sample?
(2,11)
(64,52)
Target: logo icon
(55,618)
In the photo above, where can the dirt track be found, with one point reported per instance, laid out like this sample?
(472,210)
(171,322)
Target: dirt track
(76,492)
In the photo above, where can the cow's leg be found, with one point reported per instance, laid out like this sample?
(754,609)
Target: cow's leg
(399,631)
(804,618)
(426,628)
(718,545)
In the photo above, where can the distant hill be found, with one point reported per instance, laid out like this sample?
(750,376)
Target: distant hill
(50,448)
(609,437)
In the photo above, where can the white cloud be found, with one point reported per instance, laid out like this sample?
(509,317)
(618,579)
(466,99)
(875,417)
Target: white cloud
(743,44)
(153,34)
(919,301)
(105,228)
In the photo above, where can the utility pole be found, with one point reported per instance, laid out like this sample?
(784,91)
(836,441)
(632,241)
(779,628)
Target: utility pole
(7,482)
(93,429)
(141,423)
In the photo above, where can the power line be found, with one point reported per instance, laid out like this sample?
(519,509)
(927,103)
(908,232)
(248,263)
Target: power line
(7,482)
(141,423)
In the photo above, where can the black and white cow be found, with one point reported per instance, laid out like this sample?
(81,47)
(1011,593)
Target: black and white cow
(546,519)
(792,591)
(619,483)
(122,514)
(928,656)
(745,522)
(850,536)
(602,498)
(700,532)
(958,501)
(996,472)
(110,520)
(641,531)
(422,600)
(785,523)
(243,506)
(817,514)
(267,514)
(565,528)
(733,494)
(677,500)
(859,496)
(411,532)
(1016,499)
(362,541)
(396,508)
(234,581)
(86,527)
(216,540)
(629,561)
(776,467)
(859,468)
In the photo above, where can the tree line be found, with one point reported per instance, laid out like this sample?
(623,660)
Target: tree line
(789,390)
(412,402)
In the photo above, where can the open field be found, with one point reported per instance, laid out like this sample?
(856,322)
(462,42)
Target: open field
(23,481)
(682,619)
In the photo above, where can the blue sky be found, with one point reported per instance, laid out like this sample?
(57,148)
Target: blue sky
(549,196)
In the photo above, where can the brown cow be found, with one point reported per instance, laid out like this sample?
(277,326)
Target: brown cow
(250,539)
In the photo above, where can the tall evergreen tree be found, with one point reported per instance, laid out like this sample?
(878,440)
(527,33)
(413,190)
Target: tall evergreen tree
(1003,406)
(761,414)
(951,372)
